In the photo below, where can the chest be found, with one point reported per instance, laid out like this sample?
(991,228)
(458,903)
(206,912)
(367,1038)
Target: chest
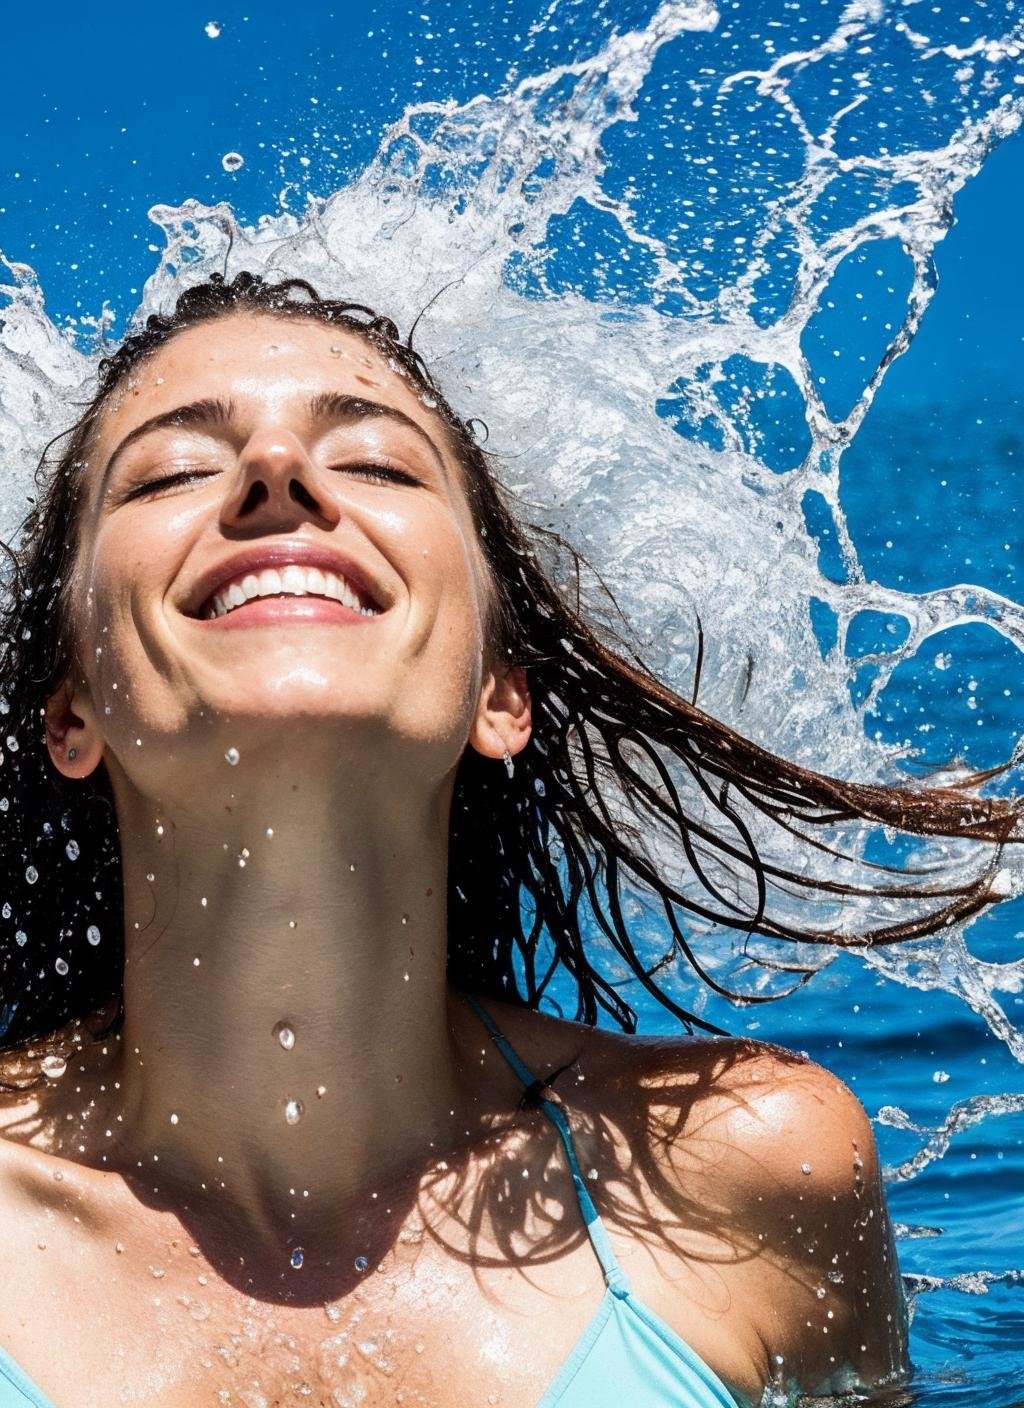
(164,1331)
(427,1332)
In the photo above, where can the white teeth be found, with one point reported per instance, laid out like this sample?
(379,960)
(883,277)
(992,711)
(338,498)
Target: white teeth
(292,580)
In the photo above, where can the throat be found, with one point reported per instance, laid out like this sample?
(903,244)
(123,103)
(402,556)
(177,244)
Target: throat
(288,1039)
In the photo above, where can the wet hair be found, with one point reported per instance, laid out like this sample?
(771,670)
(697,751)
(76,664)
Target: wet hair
(558,874)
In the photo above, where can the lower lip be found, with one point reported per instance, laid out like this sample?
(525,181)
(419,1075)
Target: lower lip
(288,610)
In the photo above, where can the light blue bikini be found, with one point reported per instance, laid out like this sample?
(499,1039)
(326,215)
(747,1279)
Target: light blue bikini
(626,1357)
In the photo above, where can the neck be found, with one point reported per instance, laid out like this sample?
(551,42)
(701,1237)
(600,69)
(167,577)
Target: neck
(288,1041)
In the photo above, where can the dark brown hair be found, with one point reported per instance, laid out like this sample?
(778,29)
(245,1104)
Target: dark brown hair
(548,867)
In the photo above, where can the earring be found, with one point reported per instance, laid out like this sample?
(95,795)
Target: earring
(510,766)
(72,754)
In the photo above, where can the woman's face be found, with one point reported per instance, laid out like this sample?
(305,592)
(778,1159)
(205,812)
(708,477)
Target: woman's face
(275,530)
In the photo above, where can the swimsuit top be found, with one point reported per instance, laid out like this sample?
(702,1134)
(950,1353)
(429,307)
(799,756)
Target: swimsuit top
(626,1355)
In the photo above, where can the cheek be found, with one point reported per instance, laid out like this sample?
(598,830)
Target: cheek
(120,583)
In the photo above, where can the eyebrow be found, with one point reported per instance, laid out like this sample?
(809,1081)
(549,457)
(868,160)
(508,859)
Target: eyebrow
(327,406)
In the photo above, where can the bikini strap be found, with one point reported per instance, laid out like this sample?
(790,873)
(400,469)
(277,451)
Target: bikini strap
(535,1089)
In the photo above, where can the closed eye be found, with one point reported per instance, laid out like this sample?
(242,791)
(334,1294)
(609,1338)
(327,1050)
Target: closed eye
(381,473)
(165,482)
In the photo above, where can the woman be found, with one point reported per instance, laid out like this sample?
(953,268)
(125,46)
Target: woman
(370,774)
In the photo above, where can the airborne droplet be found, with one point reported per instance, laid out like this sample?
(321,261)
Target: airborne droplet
(93,935)
(62,967)
(232,161)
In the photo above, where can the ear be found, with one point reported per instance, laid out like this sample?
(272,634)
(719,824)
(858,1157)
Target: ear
(503,717)
(72,739)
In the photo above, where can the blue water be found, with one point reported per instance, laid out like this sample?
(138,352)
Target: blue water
(106,116)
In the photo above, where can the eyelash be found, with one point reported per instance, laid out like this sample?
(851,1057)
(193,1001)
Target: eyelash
(152,486)
(382,473)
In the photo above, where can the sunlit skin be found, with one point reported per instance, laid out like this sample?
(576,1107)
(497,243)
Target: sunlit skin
(304,882)
(324,713)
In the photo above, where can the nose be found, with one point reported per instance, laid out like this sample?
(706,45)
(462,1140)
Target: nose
(276,486)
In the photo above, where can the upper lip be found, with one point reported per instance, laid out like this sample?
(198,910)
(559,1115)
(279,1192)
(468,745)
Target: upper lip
(257,557)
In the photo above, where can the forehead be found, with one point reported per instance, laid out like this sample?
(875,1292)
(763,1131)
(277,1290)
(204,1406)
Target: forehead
(262,363)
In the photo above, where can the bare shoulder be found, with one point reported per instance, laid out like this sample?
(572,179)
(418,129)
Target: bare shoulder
(764,1166)
(797,1179)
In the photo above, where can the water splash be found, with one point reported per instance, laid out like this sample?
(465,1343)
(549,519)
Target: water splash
(963,1115)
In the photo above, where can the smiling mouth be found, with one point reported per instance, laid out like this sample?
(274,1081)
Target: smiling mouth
(290,581)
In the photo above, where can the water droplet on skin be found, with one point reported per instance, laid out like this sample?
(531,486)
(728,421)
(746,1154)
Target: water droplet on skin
(31,874)
(232,756)
(360,1263)
(293,1111)
(41,1246)
(820,1292)
(285,1035)
(119,1247)
(93,935)
(174,1119)
(232,161)
(53,1066)
(321,1091)
(61,967)
(297,1257)
(805,1168)
(157,1271)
